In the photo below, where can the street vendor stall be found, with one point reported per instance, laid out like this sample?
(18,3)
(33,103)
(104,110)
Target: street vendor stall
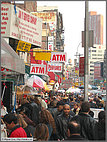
(12,73)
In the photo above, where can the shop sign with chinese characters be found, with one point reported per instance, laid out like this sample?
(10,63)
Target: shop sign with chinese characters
(22,25)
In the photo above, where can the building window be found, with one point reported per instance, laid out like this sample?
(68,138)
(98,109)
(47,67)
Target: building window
(93,50)
(94,58)
(91,66)
(99,58)
(93,54)
(100,51)
(99,54)
(91,70)
(91,74)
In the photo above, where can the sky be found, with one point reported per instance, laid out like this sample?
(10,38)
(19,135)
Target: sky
(73,20)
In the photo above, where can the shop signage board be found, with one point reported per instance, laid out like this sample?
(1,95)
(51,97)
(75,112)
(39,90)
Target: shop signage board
(58,57)
(37,69)
(22,25)
(50,43)
(54,67)
(46,16)
(81,67)
(50,46)
(23,46)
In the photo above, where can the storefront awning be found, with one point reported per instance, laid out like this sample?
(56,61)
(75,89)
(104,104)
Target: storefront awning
(10,60)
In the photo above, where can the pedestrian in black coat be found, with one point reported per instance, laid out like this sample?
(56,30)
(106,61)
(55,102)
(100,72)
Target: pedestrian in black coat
(74,131)
(99,131)
(87,123)
(62,123)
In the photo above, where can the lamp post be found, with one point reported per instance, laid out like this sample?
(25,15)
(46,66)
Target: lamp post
(78,55)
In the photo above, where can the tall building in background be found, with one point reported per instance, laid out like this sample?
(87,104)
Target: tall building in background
(96,24)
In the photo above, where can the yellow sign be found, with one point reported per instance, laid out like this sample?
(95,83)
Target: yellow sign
(42,56)
(77,72)
(23,46)
(46,16)
(76,84)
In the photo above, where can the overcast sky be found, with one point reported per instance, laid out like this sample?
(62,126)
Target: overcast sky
(73,19)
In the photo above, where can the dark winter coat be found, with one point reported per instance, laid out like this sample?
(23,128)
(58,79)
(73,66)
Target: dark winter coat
(62,126)
(99,133)
(87,125)
(76,137)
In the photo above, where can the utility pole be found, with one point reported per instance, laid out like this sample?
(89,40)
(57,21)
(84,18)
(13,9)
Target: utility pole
(86,53)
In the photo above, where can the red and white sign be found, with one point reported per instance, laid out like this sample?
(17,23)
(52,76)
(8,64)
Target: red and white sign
(37,69)
(50,46)
(22,25)
(54,67)
(50,43)
(81,67)
(58,57)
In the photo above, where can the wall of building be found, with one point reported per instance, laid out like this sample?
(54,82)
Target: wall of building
(96,24)
(96,54)
(28,6)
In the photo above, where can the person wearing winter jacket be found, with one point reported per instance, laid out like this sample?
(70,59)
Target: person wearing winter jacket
(62,123)
(100,131)
(15,130)
(87,123)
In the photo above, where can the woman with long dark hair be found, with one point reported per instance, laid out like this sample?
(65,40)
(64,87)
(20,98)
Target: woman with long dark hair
(46,118)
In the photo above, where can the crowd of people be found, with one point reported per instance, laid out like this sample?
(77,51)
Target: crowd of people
(56,117)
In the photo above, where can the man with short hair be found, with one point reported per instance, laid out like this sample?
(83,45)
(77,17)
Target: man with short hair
(87,123)
(74,131)
(62,123)
(59,109)
(15,130)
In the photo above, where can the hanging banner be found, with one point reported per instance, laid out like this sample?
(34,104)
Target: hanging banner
(37,69)
(54,67)
(81,66)
(58,57)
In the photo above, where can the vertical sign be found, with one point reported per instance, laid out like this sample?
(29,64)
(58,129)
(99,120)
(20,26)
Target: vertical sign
(81,66)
